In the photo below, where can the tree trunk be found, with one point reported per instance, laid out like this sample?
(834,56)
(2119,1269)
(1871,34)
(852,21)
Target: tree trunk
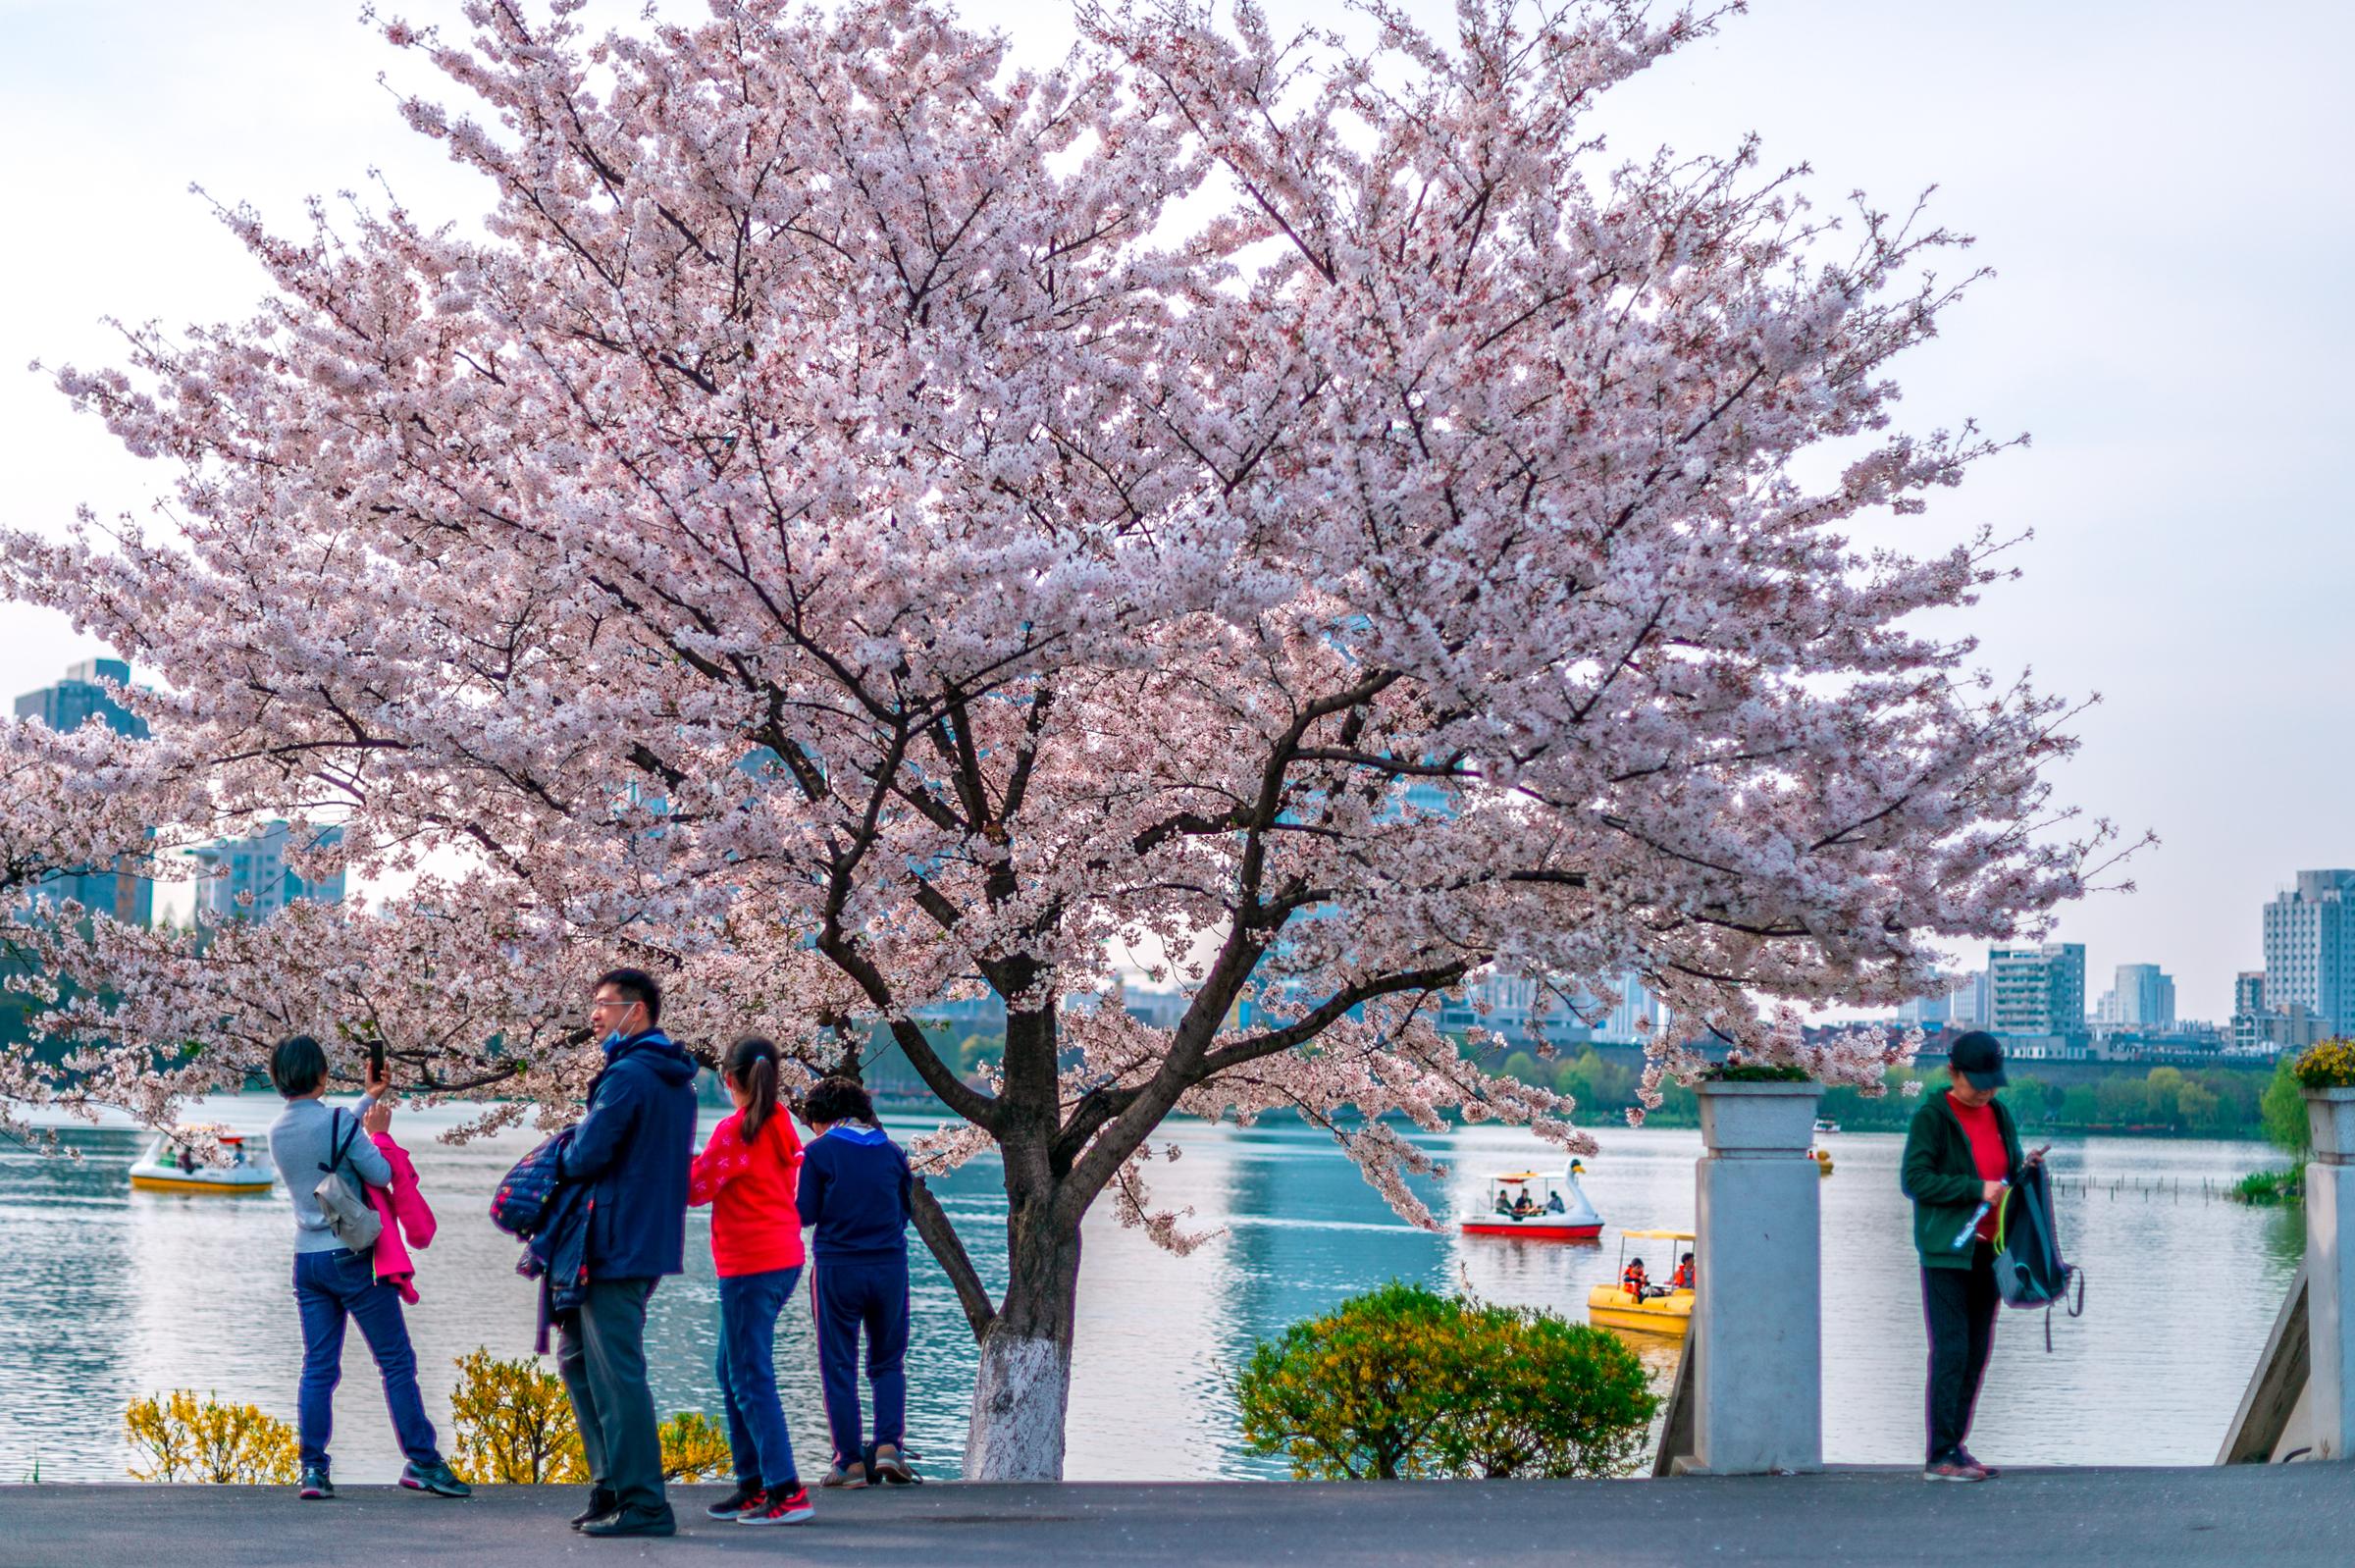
(1024,1385)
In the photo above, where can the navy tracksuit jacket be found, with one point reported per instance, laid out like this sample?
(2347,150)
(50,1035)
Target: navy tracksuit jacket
(854,1191)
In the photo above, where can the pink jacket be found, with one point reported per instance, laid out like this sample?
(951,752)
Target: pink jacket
(403,1209)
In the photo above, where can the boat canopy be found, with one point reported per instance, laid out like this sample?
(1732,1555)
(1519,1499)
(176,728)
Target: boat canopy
(1519,1176)
(1663,1235)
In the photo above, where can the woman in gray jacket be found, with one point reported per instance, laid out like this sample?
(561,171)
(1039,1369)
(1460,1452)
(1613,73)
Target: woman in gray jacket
(333,1283)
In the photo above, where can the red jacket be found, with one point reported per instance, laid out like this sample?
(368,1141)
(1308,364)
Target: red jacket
(755,1227)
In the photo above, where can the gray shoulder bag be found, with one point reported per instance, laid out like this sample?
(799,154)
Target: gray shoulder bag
(351,1218)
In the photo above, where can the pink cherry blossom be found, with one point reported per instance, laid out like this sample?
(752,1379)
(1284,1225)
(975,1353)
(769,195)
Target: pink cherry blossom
(863,527)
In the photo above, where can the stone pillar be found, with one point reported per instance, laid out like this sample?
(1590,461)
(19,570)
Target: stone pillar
(1759,1357)
(2331,1273)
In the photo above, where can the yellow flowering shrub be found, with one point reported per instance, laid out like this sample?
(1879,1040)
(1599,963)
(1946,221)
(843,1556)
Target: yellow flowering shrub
(695,1448)
(2327,1066)
(1406,1383)
(178,1436)
(514,1424)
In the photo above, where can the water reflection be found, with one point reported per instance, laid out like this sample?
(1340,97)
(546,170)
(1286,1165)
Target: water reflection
(107,1294)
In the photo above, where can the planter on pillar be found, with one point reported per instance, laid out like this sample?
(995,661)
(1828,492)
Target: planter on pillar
(1759,1320)
(2331,1272)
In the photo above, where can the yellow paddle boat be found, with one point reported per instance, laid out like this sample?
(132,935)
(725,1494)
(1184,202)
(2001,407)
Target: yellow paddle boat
(1661,1309)
(171,1166)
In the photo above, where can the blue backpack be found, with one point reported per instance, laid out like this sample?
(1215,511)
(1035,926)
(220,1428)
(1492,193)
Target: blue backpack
(521,1202)
(2029,1271)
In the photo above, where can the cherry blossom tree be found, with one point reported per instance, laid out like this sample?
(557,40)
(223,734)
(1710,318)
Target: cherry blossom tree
(862,526)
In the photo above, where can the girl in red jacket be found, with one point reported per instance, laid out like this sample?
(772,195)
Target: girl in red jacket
(746,1175)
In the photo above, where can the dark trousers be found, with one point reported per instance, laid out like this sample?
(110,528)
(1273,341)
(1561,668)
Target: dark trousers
(330,1288)
(1958,1306)
(869,1295)
(748,1304)
(601,1353)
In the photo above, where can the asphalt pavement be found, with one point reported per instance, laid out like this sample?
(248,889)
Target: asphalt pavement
(2283,1516)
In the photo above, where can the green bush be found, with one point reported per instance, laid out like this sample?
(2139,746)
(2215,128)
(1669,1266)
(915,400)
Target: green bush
(1405,1382)
(2268,1186)
(2283,1110)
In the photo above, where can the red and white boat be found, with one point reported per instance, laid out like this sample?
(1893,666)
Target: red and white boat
(1535,1206)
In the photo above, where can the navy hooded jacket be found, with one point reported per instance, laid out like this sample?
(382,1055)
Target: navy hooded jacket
(853,1189)
(631,1152)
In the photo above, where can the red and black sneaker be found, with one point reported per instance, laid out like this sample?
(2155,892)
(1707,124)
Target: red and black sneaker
(779,1506)
(747,1494)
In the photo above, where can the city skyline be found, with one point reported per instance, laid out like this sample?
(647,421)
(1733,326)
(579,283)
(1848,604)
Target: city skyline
(2164,304)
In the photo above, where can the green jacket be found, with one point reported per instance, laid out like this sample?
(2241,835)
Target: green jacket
(1943,1180)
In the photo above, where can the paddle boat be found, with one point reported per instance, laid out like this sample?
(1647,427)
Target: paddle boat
(1660,1310)
(170,1164)
(1824,1124)
(1535,1206)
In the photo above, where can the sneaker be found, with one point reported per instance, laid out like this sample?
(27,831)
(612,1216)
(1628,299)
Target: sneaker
(1954,1469)
(437,1477)
(1981,1465)
(316,1487)
(601,1501)
(850,1475)
(779,1506)
(632,1524)
(746,1493)
(892,1466)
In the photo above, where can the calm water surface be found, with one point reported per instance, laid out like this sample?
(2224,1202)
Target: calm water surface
(107,1295)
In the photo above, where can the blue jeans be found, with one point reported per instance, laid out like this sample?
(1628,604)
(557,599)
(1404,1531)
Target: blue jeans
(329,1287)
(748,1304)
(869,1294)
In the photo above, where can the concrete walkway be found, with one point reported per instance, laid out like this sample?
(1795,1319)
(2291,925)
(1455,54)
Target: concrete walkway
(2280,1517)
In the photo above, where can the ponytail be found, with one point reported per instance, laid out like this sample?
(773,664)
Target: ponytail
(753,1062)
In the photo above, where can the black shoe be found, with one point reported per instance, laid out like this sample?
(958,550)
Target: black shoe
(602,1502)
(746,1493)
(632,1524)
(316,1487)
(437,1477)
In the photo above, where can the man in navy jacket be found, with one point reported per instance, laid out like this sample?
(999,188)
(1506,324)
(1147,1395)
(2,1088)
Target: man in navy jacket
(631,1153)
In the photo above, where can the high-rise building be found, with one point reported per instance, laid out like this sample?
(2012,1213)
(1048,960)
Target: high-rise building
(2310,948)
(1924,1011)
(2143,997)
(68,706)
(250,879)
(2037,990)
(1636,1014)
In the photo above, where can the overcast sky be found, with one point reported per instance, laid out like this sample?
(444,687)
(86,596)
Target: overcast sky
(2162,187)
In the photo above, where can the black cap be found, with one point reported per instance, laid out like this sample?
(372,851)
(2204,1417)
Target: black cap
(1979,1056)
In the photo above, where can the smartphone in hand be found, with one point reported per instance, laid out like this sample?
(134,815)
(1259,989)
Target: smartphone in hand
(376,1062)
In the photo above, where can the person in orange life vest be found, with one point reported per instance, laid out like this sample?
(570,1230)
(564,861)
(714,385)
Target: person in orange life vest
(1682,1278)
(1632,1278)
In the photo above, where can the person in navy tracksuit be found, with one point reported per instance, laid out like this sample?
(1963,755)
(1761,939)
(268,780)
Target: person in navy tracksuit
(854,1191)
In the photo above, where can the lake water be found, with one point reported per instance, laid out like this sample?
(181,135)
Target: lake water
(107,1295)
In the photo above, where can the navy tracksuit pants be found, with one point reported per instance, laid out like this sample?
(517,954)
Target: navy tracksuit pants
(867,1295)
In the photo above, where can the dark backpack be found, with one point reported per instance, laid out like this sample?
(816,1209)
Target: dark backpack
(2029,1271)
(521,1201)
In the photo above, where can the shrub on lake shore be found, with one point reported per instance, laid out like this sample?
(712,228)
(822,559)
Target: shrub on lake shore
(514,1424)
(1406,1383)
(180,1437)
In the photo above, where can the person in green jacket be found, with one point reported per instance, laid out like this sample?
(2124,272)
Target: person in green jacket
(1962,1155)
